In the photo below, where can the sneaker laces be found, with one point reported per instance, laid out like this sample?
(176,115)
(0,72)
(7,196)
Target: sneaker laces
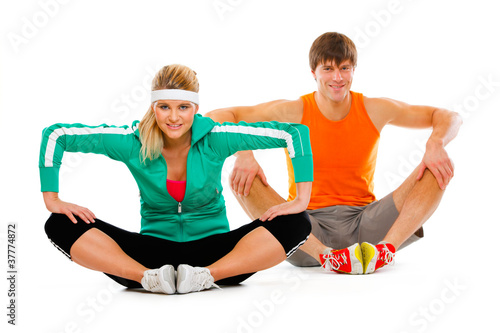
(335,261)
(203,280)
(387,256)
(151,281)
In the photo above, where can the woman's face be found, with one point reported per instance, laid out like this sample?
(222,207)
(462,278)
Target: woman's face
(175,117)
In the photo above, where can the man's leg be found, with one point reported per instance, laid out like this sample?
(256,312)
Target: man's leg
(260,199)
(416,200)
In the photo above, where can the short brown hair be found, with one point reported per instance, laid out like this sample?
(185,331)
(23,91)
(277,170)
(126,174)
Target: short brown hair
(332,46)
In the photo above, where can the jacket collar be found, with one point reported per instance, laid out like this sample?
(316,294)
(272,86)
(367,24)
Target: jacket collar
(201,127)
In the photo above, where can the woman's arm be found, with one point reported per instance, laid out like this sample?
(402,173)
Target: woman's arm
(231,138)
(228,138)
(60,138)
(57,139)
(246,167)
(56,205)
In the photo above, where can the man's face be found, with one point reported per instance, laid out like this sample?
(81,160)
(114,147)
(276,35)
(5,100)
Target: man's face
(334,82)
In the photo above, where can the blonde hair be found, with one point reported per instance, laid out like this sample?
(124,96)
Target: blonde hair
(169,77)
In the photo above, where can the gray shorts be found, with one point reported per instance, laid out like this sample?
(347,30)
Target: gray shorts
(341,226)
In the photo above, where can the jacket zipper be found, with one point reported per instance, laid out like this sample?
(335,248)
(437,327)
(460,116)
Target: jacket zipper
(179,211)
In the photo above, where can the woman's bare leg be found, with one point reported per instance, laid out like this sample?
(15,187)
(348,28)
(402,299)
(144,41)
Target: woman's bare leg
(257,251)
(97,251)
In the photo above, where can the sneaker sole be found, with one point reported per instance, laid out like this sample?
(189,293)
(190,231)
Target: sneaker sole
(357,261)
(369,257)
(168,280)
(356,257)
(182,276)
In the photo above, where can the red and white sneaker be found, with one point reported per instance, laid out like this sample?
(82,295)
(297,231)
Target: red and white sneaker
(377,256)
(348,260)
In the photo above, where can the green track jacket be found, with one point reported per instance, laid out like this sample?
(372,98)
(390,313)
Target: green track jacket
(202,212)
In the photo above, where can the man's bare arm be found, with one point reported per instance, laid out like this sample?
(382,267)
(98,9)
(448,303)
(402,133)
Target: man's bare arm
(279,110)
(445,125)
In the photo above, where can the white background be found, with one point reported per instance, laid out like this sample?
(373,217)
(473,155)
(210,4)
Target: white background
(92,62)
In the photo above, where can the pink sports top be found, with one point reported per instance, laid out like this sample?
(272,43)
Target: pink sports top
(176,189)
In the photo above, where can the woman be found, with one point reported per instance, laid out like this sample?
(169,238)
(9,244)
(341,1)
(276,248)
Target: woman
(176,157)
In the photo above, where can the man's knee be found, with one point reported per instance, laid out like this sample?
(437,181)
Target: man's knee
(429,177)
(428,180)
(256,187)
(259,200)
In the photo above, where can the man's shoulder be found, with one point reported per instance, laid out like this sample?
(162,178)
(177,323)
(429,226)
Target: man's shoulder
(371,102)
(289,111)
(377,102)
(381,110)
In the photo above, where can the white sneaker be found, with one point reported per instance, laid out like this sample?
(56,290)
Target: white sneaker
(193,279)
(161,280)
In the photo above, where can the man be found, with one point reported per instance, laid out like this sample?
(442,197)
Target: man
(345,128)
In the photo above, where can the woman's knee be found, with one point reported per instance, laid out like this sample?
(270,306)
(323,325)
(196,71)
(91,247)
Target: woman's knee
(290,230)
(53,222)
(300,223)
(63,233)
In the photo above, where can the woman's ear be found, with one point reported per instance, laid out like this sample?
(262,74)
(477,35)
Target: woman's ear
(196,108)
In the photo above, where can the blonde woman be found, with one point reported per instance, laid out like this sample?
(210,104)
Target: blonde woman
(176,157)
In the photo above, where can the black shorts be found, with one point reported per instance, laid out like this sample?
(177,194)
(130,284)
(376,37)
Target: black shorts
(153,252)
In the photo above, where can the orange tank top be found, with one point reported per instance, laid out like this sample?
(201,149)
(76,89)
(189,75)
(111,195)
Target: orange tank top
(344,155)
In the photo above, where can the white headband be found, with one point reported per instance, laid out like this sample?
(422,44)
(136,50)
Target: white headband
(175,94)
